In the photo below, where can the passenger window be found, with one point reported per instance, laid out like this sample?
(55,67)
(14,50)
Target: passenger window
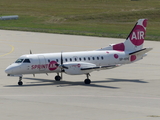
(66,59)
(102,57)
(97,58)
(84,59)
(75,59)
(56,60)
(80,59)
(19,60)
(70,59)
(88,58)
(93,58)
(26,61)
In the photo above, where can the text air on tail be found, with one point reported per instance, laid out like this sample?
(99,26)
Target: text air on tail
(135,39)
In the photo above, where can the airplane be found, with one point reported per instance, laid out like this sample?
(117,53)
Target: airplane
(83,62)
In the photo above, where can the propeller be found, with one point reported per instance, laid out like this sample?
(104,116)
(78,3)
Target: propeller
(61,65)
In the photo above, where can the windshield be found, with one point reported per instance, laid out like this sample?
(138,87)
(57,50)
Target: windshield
(26,61)
(19,61)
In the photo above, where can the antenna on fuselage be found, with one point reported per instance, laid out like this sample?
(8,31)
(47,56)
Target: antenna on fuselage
(30,52)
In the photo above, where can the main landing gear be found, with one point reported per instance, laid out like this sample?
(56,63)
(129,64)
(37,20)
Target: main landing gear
(87,81)
(20,81)
(58,78)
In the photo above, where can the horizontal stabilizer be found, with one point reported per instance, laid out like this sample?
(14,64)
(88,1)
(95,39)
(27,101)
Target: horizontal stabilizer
(101,67)
(140,52)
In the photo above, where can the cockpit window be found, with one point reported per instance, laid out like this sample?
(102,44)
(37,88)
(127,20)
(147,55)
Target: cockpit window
(19,61)
(26,61)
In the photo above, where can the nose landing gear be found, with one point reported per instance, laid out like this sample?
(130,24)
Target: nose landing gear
(20,81)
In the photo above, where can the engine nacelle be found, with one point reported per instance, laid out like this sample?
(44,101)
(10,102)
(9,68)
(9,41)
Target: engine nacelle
(74,68)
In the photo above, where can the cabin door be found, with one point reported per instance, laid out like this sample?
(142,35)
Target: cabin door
(42,63)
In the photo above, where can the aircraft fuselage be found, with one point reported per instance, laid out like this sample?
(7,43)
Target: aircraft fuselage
(46,63)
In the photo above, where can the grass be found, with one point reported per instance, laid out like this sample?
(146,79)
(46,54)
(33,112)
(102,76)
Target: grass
(106,18)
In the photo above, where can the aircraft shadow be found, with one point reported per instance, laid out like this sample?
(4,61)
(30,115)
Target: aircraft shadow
(121,80)
(63,83)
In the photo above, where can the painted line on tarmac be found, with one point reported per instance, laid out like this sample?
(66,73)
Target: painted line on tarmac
(12,49)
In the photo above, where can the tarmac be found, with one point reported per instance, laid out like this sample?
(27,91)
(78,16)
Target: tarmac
(129,92)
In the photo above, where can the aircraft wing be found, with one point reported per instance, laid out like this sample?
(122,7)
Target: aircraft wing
(140,52)
(101,67)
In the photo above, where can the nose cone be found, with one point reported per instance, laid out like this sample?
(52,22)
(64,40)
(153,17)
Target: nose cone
(12,69)
(9,70)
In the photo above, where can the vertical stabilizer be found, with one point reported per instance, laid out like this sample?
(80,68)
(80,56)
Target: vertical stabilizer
(136,37)
(134,40)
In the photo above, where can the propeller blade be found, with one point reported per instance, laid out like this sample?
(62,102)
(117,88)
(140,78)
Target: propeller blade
(57,64)
(61,65)
(61,59)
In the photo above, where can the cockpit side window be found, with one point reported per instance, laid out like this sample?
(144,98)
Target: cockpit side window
(26,61)
(19,61)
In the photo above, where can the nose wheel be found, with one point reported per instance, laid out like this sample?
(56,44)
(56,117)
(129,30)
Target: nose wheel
(20,81)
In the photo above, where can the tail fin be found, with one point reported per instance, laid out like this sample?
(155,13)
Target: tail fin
(134,40)
(136,37)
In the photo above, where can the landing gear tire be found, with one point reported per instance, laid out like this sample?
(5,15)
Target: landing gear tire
(20,83)
(57,78)
(87,81)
